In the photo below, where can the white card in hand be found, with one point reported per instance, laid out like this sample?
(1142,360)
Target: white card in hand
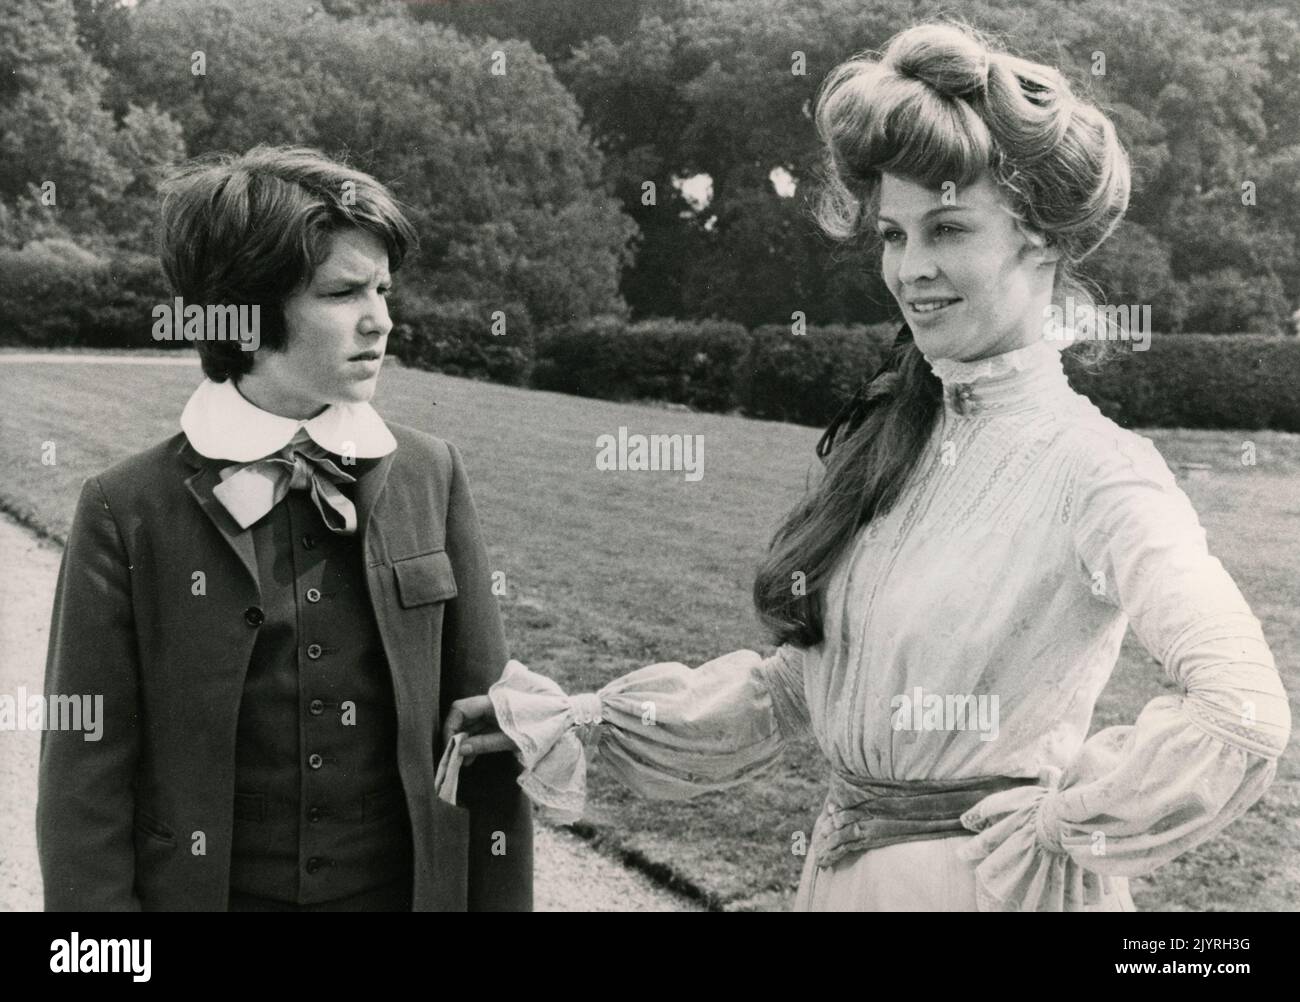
(447,780)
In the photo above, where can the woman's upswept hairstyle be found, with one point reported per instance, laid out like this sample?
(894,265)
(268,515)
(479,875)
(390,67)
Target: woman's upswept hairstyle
(939,104)
(250,230)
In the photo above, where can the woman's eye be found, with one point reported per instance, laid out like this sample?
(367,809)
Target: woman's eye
(890,236)
(340,295)
(945,229)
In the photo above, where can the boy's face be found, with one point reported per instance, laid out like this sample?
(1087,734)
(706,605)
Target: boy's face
(336,331)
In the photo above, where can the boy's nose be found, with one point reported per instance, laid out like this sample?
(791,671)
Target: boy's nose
(376,322)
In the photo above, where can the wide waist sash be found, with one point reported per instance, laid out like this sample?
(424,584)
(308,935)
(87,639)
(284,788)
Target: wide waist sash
(862,814)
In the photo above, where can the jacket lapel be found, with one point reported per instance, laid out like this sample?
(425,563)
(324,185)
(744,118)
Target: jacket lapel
(371,482)
(372,476)
(201,484)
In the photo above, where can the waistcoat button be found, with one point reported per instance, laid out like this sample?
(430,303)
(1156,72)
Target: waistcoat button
(315,761)
(313,651)
(313,595)
(309,542)
(254,616)
(317,707)
(314,814)
(315,863)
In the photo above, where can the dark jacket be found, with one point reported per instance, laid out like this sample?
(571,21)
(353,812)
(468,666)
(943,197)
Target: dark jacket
(120,822)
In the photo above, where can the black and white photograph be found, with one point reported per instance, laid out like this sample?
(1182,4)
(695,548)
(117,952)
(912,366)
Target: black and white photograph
(651,456)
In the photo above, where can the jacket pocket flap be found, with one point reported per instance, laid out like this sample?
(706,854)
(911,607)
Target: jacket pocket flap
(424,579)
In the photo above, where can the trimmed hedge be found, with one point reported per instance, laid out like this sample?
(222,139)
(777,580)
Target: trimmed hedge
(1245,381)
(54,294)
(807,378)
(458,338)
(682,362)
(713,365)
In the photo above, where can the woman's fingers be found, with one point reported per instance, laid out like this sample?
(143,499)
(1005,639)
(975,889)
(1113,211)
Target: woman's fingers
(471,715)
(485,744)
(476,718)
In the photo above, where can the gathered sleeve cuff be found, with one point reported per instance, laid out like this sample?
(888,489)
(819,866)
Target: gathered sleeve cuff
(1137,796)
(666,731)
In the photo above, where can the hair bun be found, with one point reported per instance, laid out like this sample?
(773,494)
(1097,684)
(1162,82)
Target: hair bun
(943,57)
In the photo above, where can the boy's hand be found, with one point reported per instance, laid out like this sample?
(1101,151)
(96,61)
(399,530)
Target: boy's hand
(476,717)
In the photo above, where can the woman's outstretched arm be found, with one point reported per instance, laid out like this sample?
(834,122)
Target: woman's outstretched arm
(666,731)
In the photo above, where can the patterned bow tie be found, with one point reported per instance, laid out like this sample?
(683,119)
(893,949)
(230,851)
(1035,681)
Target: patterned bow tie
(250,490)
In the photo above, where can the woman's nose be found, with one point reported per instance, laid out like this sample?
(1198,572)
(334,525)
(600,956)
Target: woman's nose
(917,262)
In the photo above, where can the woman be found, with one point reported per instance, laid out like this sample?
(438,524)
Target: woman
(951,598)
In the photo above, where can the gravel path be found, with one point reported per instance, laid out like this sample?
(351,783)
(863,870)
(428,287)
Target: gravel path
(569,874)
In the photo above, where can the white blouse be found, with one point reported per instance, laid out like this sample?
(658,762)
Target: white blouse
(968,633)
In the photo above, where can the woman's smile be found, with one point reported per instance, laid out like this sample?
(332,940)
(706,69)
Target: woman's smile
(926,308)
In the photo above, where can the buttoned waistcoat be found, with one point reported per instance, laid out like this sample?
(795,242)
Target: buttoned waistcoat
(317,790)
(143,818)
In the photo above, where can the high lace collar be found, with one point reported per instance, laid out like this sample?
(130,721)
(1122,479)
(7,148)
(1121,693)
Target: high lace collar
(1027,377)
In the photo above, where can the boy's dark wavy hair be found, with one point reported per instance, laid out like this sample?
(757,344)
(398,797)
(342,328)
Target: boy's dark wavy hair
(251,229)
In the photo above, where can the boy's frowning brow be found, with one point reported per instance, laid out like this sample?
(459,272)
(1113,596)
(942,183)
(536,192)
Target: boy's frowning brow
(353,281)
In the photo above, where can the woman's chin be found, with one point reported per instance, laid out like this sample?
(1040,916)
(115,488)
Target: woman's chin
(933,344)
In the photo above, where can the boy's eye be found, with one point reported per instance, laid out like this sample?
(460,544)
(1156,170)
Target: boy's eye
(383,290)
(889,236)
(947,228)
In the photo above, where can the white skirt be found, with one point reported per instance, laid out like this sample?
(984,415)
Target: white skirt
(921,876)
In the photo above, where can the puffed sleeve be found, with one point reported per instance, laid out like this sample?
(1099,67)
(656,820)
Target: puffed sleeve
(666,731)
(1137,796)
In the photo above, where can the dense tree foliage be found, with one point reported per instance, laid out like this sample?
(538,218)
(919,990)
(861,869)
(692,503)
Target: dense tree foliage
(69,164)
(1203,96)
(478,137)
(543,144)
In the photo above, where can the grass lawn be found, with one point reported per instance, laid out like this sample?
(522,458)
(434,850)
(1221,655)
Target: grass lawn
(607,572)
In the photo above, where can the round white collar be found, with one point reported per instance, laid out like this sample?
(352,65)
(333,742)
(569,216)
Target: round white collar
(222,424)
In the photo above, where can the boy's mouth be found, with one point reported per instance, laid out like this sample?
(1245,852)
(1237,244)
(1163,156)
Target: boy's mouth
(365,356)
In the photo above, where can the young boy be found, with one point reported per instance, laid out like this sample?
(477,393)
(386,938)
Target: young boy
(280,602)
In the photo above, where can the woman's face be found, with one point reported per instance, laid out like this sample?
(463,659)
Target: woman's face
(341,314)
(968,281)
